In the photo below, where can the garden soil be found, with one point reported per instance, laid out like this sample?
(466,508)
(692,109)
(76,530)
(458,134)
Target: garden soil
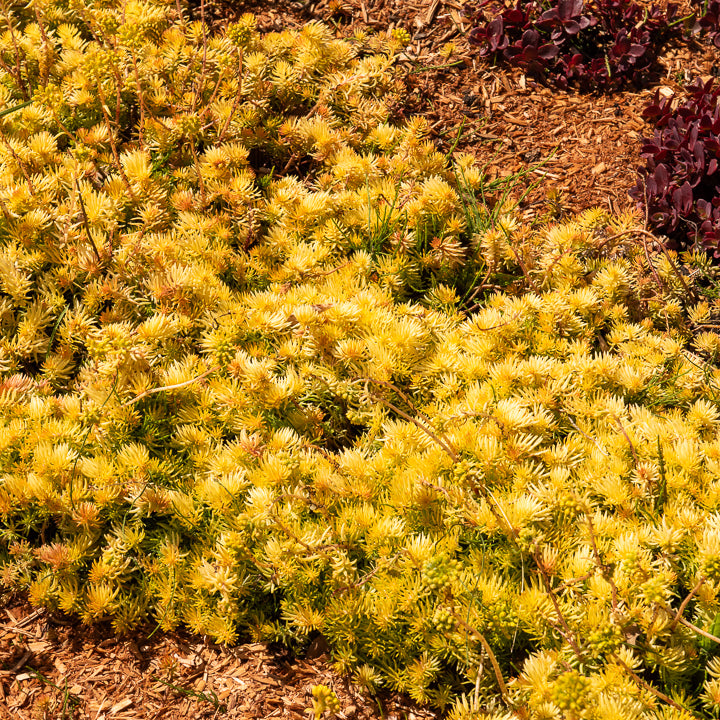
(579,150)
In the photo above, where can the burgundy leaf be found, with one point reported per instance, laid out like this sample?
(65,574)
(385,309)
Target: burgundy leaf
(621,47)
(569,8)
(548,51)
(514,17)
(571,27)
(682,198)
(495,28)
(662,178)
(530,38)
(549,16)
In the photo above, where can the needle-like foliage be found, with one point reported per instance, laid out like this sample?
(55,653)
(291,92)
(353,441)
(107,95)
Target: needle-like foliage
(269,369)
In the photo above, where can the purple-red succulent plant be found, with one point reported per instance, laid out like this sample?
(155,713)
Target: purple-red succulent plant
(598,46)
(679,186)
(708,23)
(565,18)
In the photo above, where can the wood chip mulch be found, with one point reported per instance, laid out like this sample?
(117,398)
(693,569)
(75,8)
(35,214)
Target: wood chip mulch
(56,668)
(582,146)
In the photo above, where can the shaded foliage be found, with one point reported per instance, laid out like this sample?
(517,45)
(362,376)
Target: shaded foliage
(599,46)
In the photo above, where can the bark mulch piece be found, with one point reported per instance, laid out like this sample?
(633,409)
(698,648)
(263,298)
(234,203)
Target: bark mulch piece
(53,667)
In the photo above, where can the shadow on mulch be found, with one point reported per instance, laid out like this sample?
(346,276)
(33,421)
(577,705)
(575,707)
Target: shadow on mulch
(50,665)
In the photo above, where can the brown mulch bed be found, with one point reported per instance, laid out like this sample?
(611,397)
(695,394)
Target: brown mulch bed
(585,147)
(53,668)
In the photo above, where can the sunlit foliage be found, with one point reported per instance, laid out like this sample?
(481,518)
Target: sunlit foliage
(270,368)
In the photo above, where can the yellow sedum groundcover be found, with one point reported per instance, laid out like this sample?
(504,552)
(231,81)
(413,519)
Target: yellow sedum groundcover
(273,367)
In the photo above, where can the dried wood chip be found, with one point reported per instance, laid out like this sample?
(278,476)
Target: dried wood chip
(120,706)
(432,11)
(515,120)
(21,661)
(457,20)
(291,705)
(545,173)
(265,681)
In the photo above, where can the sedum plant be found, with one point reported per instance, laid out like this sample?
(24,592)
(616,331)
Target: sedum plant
(677,186)
(269,368)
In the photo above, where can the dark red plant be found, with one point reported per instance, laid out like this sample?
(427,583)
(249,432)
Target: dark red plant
(565,18)
(680,184)
(599,47)
(708,23)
